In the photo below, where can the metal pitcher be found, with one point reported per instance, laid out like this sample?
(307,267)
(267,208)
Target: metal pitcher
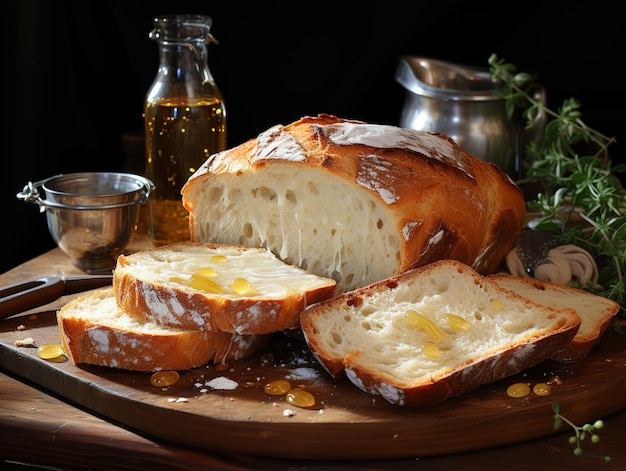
(459,101)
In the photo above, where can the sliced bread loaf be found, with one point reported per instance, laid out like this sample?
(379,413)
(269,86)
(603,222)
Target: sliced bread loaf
(95,331)
(596,312)
(213,287)
(432,333)
(354,201)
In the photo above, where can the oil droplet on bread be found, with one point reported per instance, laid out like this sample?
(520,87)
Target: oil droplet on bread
(241,286)
(205,284)
(430,350)
(207,271)
(415,319)
(457,322)
(497,305)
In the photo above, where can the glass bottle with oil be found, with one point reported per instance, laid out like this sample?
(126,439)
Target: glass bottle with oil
(184,120)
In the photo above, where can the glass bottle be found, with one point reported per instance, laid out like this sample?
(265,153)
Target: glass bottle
(184,120)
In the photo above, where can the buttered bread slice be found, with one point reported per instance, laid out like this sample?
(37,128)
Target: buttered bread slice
(432,333)
(211,287)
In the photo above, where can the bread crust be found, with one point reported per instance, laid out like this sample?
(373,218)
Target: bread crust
(596,312)
(443,202)
(94,331)
(340,331)
(179,306)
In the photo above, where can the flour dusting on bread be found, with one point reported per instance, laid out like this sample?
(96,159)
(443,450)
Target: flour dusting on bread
(95,331)
(435,146)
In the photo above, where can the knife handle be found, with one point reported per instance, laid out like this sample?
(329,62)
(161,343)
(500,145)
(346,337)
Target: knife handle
(26,295)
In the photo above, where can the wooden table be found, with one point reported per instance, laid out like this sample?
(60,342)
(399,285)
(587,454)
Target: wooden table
(40,429)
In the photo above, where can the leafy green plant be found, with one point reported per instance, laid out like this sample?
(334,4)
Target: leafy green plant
(580,433)
(581,200)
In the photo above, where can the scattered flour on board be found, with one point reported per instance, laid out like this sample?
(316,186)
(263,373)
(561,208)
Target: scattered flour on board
(222,382)
(303,373)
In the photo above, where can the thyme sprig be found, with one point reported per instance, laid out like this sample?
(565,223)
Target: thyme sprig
(581,199)
(580,432)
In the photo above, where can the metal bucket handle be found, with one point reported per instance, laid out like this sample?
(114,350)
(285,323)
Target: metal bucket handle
(30,194)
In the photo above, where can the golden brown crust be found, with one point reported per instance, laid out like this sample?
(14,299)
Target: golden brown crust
(444,202)
(462,378)
(93,332)
(596,312)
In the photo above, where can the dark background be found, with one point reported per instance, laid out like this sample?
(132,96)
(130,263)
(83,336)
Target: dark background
(76,73)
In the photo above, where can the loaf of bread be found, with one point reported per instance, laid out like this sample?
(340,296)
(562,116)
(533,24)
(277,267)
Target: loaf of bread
(356,202)
(596,312)
(211,287)
(431,333)
(95,331)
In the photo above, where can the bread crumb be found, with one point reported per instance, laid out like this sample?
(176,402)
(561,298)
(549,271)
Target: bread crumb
(27,342)
(288,413)
(222,383)
(21,327)
(180,399)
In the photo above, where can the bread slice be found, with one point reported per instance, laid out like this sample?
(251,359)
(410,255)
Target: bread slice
(432,333)
(354,201)
(596,312)
(190,286)
(95,331)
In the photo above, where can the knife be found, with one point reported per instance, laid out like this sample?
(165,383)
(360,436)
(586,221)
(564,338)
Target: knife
(25,295)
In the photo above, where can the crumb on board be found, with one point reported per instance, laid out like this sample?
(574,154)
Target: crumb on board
(27,342)
(180,399)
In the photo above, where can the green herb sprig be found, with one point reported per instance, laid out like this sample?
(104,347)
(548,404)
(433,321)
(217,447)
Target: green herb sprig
(581,199)
(580,433)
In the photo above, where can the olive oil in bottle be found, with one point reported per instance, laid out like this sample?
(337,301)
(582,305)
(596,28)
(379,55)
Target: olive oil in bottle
(184,119)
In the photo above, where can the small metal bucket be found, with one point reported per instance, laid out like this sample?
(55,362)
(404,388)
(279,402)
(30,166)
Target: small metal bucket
(90,215)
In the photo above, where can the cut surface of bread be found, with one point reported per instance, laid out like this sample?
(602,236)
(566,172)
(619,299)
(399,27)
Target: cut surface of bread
(432,333)
(596,312)
(213,287)
(356,202)
(95,331)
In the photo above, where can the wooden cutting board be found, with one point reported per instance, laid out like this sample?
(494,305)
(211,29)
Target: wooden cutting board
(345,423)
